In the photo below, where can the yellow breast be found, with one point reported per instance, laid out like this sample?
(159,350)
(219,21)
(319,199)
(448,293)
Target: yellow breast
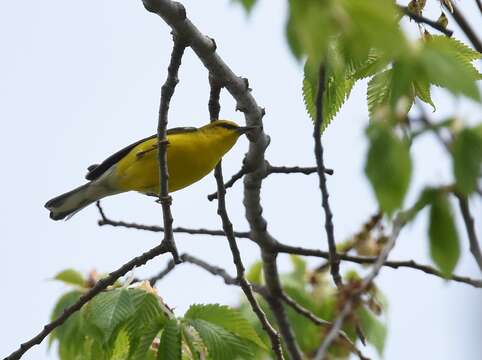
(190,157)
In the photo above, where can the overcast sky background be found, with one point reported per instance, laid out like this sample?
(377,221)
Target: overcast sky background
(79,80)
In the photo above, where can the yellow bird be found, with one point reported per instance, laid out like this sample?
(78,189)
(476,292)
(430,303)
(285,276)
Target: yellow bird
(191,154)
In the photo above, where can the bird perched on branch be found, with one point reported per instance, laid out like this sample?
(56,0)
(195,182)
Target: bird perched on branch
(191,154)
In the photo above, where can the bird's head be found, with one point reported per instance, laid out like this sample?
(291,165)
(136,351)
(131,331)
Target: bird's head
(225,133)
(227,128)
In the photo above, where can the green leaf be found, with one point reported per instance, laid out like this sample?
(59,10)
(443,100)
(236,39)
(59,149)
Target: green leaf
(107,311)
(71,277)
(146,321)
(121,346)
(375,331)
(467,160)
(246,4)
(68,333)
(388,167)
(444,67)
(227,318)
(444,240)
(378,91)
(255,273)
(220,343)
(451,44)
(422,91)
(170,346)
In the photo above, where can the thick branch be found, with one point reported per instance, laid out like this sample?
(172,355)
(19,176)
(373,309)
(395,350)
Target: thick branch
(214,109)
(420,19)
(469,225)
(334,261)
(100,286)
(274,299)
(167,91)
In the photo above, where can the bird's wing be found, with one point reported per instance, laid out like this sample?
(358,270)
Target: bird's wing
(95,171)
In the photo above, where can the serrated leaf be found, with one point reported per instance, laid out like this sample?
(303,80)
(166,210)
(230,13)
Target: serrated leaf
(444,240)
(449,69)
(422,91)
(388,167)
(170,346)
(375,331)
(121,346)
(453,45)
(71,277)
(378,91)
(227,318)
(467,160)
(221,344)
(373,64)
(146,321)
(108,310)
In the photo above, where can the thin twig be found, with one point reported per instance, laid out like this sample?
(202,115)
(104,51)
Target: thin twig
(154,228)
(295,170)
(217,271)
(334,261)
(169,267)
(470,227)
(320,322)
(282,248)
(270,169)
(347,307)
(479,5)
(167,91)
(421,19)
(101,285)
(214,109)
(465,26)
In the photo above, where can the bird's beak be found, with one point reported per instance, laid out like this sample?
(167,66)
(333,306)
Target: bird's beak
(245,129)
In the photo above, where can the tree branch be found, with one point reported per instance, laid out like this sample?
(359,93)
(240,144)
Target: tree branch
(334,261)
(282,248)
(214,109)
(167,91)
(420,19)
(273,297)
(347,307)
(98,287)
(270,169)
(179,229)
(470,227)
(465,27)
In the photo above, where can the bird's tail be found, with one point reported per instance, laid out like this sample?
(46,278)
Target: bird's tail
(66,205)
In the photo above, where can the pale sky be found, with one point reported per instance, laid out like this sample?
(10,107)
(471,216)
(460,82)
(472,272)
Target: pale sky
(80,80)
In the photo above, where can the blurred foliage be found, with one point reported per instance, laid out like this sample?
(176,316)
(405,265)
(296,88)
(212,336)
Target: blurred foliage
(132,322)
(313,290)
(352,40)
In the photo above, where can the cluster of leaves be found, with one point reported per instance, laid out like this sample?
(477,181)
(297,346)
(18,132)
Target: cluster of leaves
(313,290)
(129,323)
(357,40)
